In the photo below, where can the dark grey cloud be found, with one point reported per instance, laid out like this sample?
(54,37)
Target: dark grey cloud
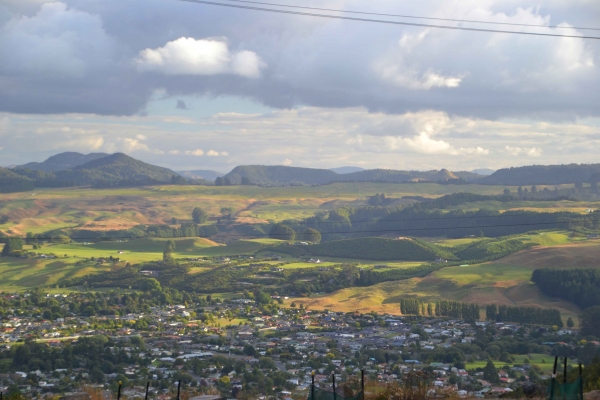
(181,105)
(80,57)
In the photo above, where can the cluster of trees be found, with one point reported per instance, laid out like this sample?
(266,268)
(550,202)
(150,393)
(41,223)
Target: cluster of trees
(579,286)
(284,232)
(524,315)
(376,248)
(379,199)
(441,308)
(12,246)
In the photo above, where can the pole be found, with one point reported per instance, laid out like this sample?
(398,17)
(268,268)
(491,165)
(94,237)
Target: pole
(362,383)
(312,387)
(119,392)
(178,389)
(333,380)
(565,371)
(147,387)
(553,378)
(580,382)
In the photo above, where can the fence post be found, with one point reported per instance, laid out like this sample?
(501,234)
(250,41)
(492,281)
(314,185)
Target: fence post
(362,383)
(553,378)
(312,387)
(333,380)
(580,382)
(565,371)
(178,389)
(119,392)
(147,387)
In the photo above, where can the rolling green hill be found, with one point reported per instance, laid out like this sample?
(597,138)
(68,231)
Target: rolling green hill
(544,175)
(62,161)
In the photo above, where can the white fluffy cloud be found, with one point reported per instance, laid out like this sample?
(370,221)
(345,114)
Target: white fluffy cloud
(189,56)
(530,152)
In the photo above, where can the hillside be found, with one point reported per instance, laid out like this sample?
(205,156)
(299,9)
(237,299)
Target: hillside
(11,182)
(62,161)
(277,175)
(544,175)
(115,170)
(205,174)
(372,248)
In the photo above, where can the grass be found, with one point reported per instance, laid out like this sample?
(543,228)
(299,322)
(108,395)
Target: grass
(21,273)
(544,361)
(121,208)
(307,265)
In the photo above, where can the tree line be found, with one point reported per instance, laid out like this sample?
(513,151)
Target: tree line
(579,286)
(440,308)
(524,315)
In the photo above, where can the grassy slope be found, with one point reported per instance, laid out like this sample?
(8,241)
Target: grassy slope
(504,281)
(46,209)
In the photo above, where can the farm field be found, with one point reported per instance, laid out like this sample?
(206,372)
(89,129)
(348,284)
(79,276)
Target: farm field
(106,209)
(504,282)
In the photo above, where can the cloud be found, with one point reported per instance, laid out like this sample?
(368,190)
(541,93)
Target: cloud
(181,105)
(196,152)
(189,56)
(530,152)
(287,162)
(212,153)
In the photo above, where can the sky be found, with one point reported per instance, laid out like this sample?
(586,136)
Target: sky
(194,86)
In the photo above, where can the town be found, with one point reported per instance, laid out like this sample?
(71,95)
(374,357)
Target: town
(253,347)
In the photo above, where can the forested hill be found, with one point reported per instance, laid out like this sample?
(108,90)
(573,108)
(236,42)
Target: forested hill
(390,175)
(11,182)
(278,175)
(544,175)
(62,161)
(116,170)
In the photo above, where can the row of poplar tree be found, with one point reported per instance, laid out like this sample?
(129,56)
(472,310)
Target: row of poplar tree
(470,312)
(525,315)
(440,308)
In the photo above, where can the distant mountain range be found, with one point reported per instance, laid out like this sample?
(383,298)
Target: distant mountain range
(544,175)
(346,170)
(278,175)
(483,171)
(108,170)
(206,174)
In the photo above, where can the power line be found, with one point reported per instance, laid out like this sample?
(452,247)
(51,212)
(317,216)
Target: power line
(413,16)
(458,28)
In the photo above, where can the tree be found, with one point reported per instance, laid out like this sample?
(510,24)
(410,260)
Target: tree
(227,211)
(168,253)
(506,191)
(283,232)
(219,181)
(570,323)
(534,189)
(246,180)
(589,321)
(199,215)
(311,235)
(490,373)
(11,245)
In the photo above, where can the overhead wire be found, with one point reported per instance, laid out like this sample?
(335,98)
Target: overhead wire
(340,17)
(412,16)
(322,233)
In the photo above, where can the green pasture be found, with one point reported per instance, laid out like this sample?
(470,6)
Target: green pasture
(544,361)
(297,265)
(484,274)
(25,273)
